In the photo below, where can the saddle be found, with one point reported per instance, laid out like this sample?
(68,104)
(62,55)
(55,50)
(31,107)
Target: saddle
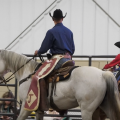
(60,74)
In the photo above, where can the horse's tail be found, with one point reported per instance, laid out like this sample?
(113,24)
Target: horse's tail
(110,104)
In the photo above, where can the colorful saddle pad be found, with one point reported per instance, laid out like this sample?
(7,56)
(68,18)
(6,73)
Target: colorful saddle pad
(33,96)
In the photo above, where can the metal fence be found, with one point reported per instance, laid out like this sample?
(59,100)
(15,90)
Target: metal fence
(71,113)
(89,57)
(12,99)
(93,56)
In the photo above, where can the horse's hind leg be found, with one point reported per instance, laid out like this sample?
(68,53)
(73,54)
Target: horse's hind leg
(23,113)
(39,115)
(99,115)
(87,110)
(96,115)
(86,115)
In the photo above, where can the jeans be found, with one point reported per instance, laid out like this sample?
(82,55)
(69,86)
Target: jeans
(60,62)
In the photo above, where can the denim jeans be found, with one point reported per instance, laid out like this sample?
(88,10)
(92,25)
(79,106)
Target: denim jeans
(60,62)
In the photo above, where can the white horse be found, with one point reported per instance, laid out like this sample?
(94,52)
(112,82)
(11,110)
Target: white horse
(87,87)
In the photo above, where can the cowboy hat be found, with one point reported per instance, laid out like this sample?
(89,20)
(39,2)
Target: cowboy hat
(117,44)
(57,14)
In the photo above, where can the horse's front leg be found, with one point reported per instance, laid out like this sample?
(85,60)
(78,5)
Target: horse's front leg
(39,115)
(23,113)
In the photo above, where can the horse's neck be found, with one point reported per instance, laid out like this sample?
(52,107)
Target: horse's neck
(24,71)
(15,64)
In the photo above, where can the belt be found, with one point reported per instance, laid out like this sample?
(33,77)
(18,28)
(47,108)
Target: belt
(58,54)
(66,55)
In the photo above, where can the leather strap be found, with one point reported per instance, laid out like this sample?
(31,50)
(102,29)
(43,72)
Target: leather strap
(52,104)
(68,56)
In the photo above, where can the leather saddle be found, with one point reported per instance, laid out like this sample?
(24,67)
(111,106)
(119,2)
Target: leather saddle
(60,74)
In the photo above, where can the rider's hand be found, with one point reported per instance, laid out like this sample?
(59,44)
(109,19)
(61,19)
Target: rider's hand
(36,52)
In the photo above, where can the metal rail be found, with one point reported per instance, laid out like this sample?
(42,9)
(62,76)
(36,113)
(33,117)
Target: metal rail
(12,99)
(53,115)
(66,115)
(83,56)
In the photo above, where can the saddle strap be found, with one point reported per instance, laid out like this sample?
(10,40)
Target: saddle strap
(61,112)
(51,95)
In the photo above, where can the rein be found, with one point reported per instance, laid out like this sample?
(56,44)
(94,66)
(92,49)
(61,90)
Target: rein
(8,79)
(25,79)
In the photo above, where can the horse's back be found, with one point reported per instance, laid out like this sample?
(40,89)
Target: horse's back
(91,75)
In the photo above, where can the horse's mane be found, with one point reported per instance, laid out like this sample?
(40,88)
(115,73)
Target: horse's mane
(17,60)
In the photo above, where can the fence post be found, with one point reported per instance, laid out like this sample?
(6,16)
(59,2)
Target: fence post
(90,60)
(15,102)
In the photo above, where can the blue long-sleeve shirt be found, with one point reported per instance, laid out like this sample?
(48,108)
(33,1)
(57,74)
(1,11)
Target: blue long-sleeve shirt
(58,40)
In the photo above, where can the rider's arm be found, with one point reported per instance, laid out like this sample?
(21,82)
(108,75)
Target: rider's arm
(73,45)
(47,43)
(113,62)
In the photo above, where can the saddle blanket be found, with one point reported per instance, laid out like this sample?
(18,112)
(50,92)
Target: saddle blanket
(33,96)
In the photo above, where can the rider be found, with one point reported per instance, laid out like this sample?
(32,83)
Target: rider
(112,66)
(59,40)
(115,61)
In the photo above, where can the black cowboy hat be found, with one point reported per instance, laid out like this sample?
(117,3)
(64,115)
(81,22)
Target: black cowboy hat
(57,14)
(117,44)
